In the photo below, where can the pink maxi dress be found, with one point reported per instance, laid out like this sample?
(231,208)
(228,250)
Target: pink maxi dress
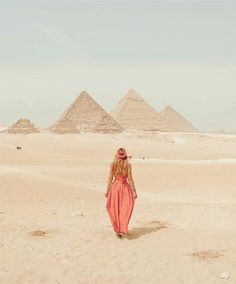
(120,204)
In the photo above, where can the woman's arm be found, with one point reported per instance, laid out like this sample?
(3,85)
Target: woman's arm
(110,179)
(130,179)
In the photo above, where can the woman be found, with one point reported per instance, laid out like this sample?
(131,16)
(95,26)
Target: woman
(120,193)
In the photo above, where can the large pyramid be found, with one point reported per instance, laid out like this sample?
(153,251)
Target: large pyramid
(85,115)
(22,126)
(132,112)
(176,120)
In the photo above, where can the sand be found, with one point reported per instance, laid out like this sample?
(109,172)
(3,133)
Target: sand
(54,224)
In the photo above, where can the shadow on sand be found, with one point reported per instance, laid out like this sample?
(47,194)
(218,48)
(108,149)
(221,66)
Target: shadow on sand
(137,232)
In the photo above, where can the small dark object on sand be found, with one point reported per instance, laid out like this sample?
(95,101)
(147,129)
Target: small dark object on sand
(18,148)
(38,233)
(130,157)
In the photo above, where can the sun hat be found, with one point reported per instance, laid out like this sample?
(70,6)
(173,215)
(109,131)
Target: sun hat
(121,153)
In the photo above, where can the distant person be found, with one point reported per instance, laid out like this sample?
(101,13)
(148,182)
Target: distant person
(120,193)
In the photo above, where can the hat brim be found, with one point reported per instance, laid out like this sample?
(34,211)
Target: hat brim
(122,157)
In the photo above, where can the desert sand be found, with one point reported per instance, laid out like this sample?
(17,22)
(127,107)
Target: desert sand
(54,224)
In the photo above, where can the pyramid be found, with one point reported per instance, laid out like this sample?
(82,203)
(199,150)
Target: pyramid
(133,112)
(176,120)
(23,126)
(85,115)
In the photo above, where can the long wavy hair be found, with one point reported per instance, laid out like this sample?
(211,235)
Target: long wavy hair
(120,163)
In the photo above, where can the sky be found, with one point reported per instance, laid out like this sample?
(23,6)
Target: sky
(172,52)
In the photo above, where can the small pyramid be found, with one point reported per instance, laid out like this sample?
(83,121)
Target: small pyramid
(133,112)
(176,120)
(22,126)
(85,115)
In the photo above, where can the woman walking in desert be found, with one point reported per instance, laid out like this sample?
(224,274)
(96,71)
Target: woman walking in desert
(120,193)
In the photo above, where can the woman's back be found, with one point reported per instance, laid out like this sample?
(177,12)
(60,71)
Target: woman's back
(120,167)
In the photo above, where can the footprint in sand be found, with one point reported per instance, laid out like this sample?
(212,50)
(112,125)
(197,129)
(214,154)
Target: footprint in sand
(207,254)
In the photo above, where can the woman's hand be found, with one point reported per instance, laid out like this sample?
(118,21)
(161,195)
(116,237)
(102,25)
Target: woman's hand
(135,195)
(106,193)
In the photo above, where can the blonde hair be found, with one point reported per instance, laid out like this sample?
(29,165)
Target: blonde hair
(120,166)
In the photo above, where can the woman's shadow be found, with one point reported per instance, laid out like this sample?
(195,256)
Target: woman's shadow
(137,232)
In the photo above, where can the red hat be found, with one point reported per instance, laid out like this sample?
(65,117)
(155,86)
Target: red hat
(121,153)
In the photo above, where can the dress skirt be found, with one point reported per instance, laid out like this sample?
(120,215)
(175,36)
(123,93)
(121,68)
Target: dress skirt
(120,204)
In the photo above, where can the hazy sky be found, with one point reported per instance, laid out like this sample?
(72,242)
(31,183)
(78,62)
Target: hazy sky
(178,53)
